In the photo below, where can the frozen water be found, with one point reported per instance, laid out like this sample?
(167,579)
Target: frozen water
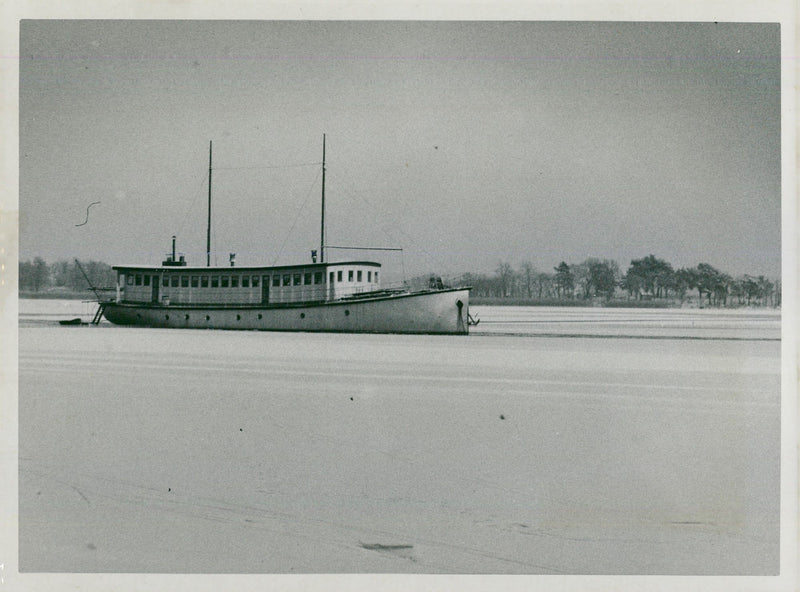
(147,450)
(743,323)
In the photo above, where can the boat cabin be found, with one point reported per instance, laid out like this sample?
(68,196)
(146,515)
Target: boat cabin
(287,285)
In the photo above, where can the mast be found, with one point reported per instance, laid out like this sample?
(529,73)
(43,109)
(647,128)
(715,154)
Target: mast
(208,234)
(322,218)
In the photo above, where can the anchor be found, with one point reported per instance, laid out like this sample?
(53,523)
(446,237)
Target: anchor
(460,323)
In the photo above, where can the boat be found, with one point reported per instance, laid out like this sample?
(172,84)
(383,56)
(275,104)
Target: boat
(318,296)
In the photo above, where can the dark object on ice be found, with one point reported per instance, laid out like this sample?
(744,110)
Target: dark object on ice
(75,321)
(380,547)
(502,416)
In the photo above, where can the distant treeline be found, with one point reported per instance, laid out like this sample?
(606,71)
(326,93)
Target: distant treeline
(38,276)
(647,280)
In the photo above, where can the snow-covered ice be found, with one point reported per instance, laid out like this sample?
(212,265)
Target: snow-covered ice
(179,451)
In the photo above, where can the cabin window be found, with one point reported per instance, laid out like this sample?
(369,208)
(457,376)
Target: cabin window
(147,280)
(204,281)
(224,281)
(245,281)
(330,278)
(138,279)
(195,281)
(215,281)
(174,281)
(376,277)
(296,279)
(369,276)
(307,279)
(339,276)
(276,281)
(184,281)
(359,275)
(255,280)
(350,275)
(234,281)
(130,280)
(318,277)
(287,279)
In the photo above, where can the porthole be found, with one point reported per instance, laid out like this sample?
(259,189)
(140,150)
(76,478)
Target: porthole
(208,318)
(138,316)
(259,316)
(187,317)
(166,317)
(238,317)
(347,313)
(302,315)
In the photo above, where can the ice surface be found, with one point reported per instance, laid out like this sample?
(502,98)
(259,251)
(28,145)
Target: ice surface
(686,323)
(160,450)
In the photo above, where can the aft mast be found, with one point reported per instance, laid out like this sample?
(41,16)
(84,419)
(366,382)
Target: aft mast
(322,218)
(208,233)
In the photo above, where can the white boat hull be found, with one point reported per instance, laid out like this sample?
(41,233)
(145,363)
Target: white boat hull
(439,311)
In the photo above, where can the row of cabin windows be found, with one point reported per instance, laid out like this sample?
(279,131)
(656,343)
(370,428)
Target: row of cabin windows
(339,277)
(224,281)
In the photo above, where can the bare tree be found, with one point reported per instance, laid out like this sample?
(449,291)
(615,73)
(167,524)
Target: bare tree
(528,276)
(505,276)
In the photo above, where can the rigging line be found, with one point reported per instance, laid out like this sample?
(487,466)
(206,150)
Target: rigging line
(281,166)
(432,259)
(377,220)
(203,181)
(296,218)
(365,248)
(371,208)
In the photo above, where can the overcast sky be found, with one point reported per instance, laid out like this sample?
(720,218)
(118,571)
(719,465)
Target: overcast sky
(466,144)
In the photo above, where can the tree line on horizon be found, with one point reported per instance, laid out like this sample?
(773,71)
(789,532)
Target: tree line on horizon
(648,278)
(39,276)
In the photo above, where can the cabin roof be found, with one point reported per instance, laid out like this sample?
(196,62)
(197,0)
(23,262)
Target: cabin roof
(229,269)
